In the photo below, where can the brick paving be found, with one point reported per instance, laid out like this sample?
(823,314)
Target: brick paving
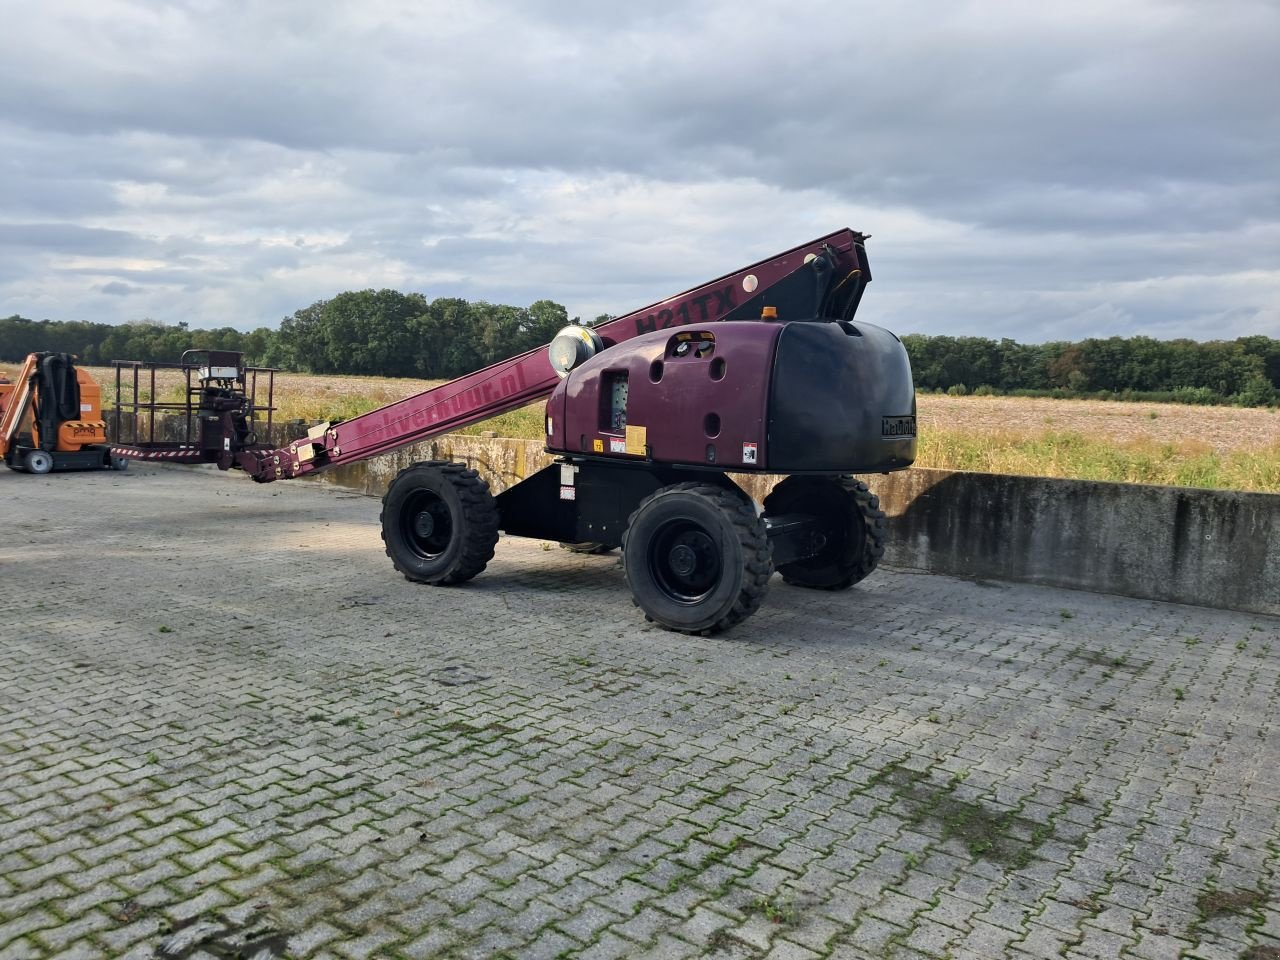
(228,729)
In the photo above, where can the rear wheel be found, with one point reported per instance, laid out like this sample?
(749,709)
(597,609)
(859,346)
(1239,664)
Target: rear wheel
(696,558)
(439,523)
(119,463)
(38,461)
(852,524)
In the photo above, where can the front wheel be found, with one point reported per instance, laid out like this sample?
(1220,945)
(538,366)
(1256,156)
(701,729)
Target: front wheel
(852,525)
(439,523)
(38,461)
(696,558)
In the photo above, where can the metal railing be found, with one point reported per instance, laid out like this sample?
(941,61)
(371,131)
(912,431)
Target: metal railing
(133,410)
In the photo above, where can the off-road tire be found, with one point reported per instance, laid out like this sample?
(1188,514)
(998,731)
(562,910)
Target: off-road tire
(851,520)
(714,532)
(439,523)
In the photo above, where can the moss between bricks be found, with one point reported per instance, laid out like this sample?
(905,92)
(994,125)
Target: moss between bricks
(991,835)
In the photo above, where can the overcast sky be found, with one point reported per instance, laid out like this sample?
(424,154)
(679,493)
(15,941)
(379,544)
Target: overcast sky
(1035,171)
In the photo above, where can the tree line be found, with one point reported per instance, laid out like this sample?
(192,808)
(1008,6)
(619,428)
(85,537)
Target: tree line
(100,343)
(1244,371)
(365,332)
(388,333)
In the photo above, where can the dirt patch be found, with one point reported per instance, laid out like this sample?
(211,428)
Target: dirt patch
(1100,658)
(461,726)
(999,836)
(1221,903)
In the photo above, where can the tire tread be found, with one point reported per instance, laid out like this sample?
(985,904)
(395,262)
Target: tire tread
(479,520)
(867,506)
(754,540)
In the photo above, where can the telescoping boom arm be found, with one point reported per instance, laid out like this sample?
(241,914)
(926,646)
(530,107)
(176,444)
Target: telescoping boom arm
(822,278)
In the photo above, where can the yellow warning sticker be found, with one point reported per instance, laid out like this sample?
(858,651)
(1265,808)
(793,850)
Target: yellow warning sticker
(637,439)
(597,445)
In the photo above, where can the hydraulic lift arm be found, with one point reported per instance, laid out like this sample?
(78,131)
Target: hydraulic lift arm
(16,402)
(822,278)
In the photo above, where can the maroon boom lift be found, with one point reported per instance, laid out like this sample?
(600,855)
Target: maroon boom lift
(760,371)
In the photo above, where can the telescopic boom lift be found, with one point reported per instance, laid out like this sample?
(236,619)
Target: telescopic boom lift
(759,371)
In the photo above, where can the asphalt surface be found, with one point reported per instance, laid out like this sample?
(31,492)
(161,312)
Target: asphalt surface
(229,729)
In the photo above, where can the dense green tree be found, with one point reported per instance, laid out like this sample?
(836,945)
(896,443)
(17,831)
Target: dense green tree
(1266,350)
(300,343)
(497,329)
(445,340)
(1245,371)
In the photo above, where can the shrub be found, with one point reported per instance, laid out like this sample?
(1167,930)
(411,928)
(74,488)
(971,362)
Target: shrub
(1197,396)
(1257,392)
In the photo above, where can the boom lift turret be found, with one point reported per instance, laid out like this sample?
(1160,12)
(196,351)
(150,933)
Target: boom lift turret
(759,371)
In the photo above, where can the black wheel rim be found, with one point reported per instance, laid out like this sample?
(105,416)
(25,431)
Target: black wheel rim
(684,561)
(426,524)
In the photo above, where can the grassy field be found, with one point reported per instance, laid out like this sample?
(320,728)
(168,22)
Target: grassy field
(1222,447)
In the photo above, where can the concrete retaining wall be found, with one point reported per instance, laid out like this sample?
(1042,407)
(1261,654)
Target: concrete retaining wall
(1213,548)
(1207,547)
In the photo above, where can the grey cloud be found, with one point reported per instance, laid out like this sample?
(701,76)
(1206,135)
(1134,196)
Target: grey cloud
(69,238)
(1030,158)
(117,289)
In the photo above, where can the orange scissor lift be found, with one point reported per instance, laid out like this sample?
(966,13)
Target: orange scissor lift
(51,418)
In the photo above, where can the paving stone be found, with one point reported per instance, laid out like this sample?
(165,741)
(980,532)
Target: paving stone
(50,893)
(375,775)
(369,945)
(645,926)
(609,947)
(64,936)
(481,913)
(315,936)
(15,931)
(120,939)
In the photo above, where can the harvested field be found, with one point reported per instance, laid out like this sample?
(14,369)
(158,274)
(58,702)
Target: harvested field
(1222,429)
(1170,444)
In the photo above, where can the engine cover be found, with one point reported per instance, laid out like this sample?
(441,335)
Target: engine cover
(804,396)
